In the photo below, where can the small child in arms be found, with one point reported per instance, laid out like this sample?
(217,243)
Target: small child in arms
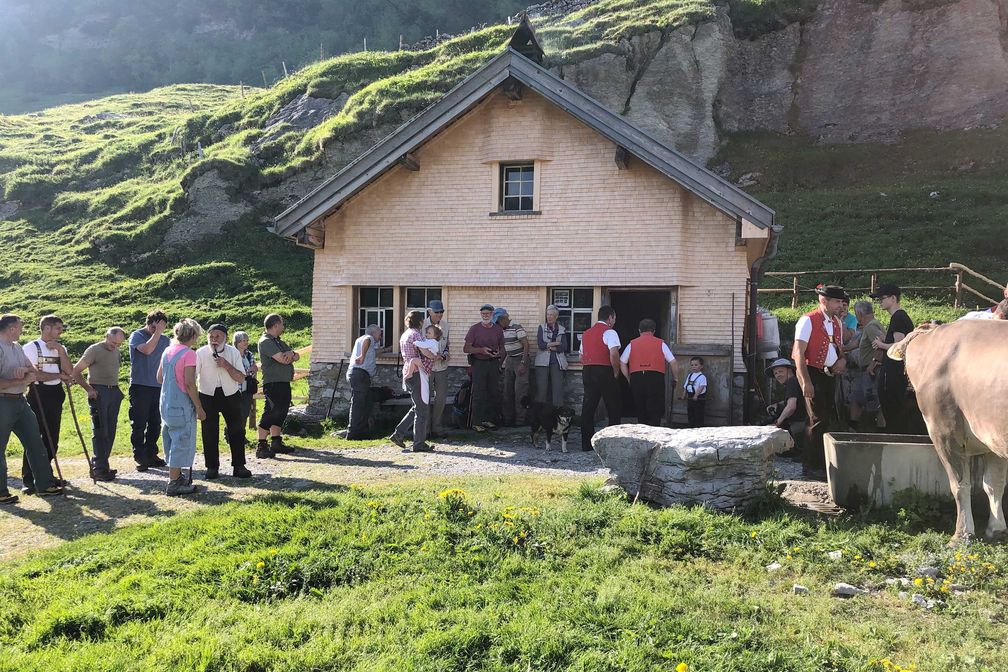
(431,348)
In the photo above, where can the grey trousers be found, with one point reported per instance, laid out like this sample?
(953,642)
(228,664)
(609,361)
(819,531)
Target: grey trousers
(550,383)
(439,388)
(104,420)
(360,404)
(418,416)
(516,386)
(16,416)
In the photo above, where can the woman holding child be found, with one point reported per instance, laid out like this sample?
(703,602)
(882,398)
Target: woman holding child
(418,360)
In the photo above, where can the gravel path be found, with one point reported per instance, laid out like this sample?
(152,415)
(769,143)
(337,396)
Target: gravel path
(135,497)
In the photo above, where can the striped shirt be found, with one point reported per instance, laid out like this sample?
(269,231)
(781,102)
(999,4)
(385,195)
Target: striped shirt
(513,336)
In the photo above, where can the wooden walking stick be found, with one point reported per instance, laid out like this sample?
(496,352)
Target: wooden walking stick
(80,435)
(48,434)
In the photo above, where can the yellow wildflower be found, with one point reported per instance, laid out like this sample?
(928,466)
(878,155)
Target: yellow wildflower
(260,564)
(918,581)
(681,667)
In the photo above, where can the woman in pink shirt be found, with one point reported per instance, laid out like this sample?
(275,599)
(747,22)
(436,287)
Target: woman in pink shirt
(180,405)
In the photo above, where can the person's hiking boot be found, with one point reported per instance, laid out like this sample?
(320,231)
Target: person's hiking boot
(157,462)
(143,466)
(278,446)
(8,498)
(489,425)
(262,450)
(241,471)
(212,473)
(27,489)
(397,441)
(423,448)
(51,491)
(104,476)
(180,486)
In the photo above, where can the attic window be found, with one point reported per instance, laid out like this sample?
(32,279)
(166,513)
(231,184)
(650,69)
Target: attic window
(517,182)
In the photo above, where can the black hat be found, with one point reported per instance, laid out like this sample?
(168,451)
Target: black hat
(217,327)
(486,306)
(832,292)
(886,290)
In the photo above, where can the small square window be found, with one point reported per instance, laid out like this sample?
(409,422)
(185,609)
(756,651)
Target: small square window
(576,307)
(374,306)
(517,188)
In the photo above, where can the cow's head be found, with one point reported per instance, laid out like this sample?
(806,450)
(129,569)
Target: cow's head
(897,351)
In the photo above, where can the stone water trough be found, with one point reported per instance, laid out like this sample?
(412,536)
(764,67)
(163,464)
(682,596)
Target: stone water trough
(724,468)
(865,469)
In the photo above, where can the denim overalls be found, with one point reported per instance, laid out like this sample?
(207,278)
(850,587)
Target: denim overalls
(178,418)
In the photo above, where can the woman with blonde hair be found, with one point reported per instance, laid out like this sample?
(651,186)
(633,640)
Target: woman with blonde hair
(180,405)
(551,360)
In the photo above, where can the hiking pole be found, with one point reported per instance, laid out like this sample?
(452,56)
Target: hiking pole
(48,434)
(339,375)
(80,435)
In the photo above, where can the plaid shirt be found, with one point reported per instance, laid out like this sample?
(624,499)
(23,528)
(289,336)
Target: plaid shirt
(409,351)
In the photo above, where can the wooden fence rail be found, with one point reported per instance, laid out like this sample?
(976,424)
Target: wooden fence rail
(955,289)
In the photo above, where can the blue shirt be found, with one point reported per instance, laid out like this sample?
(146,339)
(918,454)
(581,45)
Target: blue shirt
(143,368)
(850,321)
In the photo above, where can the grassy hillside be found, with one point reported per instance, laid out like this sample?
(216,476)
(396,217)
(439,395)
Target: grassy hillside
(55,49)
(531,575)
(100,183)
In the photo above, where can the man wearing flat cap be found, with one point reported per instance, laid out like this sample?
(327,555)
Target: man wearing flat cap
(818,356)
(439,374)
(485,343)
(894,383)
(219,375)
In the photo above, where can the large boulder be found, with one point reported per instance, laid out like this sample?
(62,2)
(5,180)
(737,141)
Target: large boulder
(724,468)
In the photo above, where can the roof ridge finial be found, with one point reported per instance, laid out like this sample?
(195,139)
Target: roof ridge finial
(524,39)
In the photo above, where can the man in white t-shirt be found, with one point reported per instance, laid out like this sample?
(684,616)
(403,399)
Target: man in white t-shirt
(600,372)
(46,396)
(219,375)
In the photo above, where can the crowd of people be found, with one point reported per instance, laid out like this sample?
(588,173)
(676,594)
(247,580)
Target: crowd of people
(506,361)
(173,384)
(839,378)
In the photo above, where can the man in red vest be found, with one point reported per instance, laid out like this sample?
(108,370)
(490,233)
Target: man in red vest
(818,355)
(643,363)
(600,347)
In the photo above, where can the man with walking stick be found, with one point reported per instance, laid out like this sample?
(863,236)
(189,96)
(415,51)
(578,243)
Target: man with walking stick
(16,416)
(46,395)
(102,360)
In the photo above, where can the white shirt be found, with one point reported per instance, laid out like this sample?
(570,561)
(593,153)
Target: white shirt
(669,357)
(610,338)
(803,332)
(32,353)
(209,376)
(696,382)
(974,315)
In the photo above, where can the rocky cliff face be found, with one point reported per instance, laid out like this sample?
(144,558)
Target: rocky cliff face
(856,72)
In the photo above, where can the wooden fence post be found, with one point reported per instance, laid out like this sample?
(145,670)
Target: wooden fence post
(794,291)
(958,289)
(874,283)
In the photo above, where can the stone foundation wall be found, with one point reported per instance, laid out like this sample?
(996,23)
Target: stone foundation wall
(323,379)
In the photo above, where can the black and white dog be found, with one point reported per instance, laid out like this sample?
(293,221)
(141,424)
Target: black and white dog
(545,416)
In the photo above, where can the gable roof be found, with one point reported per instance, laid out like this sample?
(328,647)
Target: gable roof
(384,155)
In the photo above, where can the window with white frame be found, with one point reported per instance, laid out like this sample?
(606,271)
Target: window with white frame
(517,185)
(375,306)
(417,298)
(576,306)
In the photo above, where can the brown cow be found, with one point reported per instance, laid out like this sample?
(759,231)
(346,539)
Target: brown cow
(960,373)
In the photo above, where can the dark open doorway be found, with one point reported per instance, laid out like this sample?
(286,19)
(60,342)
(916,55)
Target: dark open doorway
(632,306)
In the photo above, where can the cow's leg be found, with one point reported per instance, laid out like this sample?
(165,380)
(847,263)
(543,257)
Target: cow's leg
(957,466)
(994,478)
